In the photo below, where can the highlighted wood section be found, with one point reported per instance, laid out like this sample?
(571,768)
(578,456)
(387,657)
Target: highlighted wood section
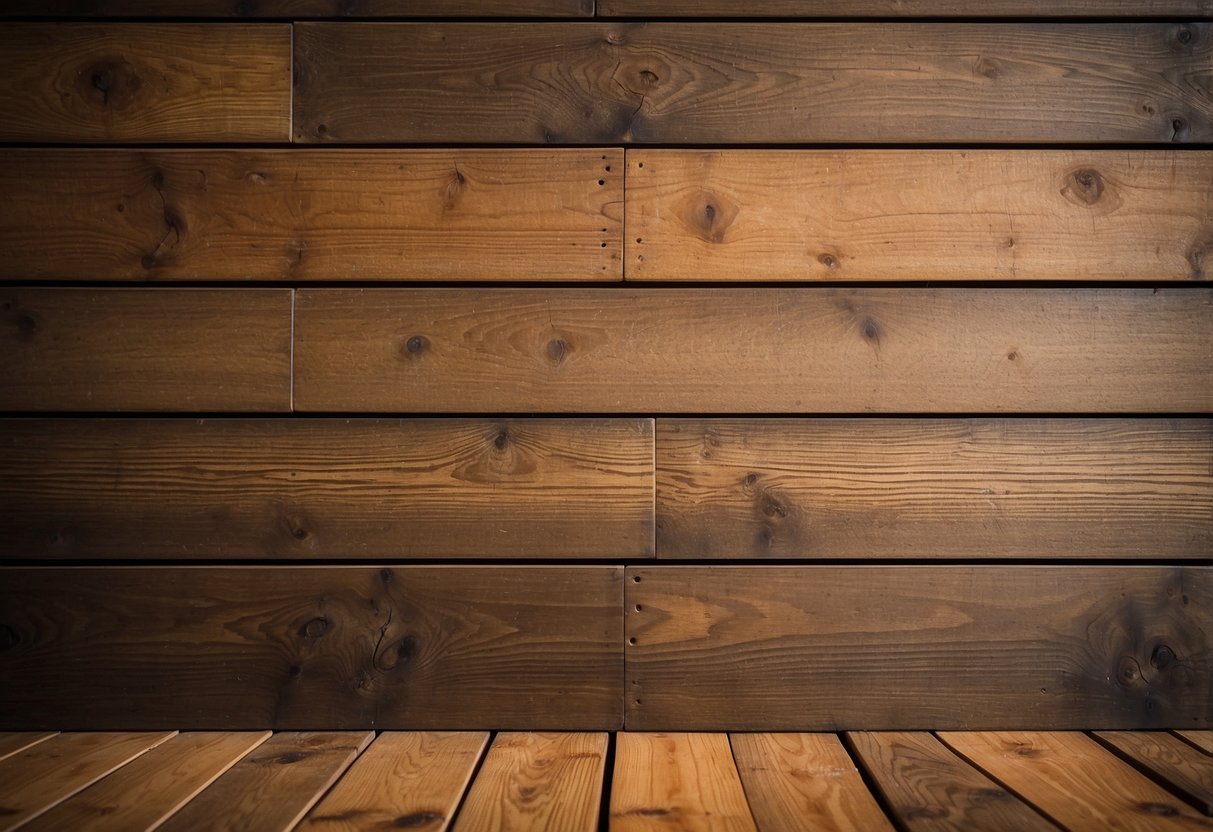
(299,215)
(1169,759)
(752,83)
(761,350)
(931,488)
(774,648)
(538,781)
(145,82)
(327,488)
(145,349)
(391,647)
(934,215)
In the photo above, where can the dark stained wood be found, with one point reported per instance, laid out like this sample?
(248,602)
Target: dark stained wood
(753,83)
(750,350)
(328,488)
(925,488)
(930,788)
(392,647)
(145,349)
(904,8)
(240,9)
(298,215)
(773,648)
(918,215)
(1170,760)
(141,82)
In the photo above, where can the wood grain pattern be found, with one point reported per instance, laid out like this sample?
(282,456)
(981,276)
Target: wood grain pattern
(1200,739)
(147,790)
(904,8)
(804,781)
(930,788)
(14,742)
(145,349)
(770,648)
(275,786)
(1068,777)
(145,82)
(409,780)
(677,781)
(734,83)
(918,215)
(326,488)
(926,488)
(299,215)
(244,9)
(442,647)
(40,777)
(1170,760)
(537,781)
(770,350)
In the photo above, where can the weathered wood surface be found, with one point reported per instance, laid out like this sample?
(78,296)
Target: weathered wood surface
(275,786)
(919,215)
(311,647)
(677,781)
(242,9)
(804,781)
(326,488)
(753,83)
(537,781)
(299,215)
(903,8)
(930,488)
(145,349)
(1168,759)
(145,82)
(771,648)
(769,350)
(404,780)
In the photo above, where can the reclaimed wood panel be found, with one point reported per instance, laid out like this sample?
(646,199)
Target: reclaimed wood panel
(407,780)
(249,9)
(299,215)
(903,8)
(297,647)
(768,350)
(145,349)
(1169,760)
(918,215)
(145,82)
(753,83)
(771,648)
(326,488)
(537,781)
(929,488)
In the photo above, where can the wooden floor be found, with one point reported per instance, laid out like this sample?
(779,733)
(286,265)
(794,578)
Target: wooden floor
(585,781)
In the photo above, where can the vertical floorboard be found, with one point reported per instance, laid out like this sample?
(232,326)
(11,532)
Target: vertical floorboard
(1201,739)
(1168,758)
(13,742)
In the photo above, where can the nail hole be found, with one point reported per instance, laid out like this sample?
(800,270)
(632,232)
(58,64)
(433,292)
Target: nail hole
(639,607)
(632,640)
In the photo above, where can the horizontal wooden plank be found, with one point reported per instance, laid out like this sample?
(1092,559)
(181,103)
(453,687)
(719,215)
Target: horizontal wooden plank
(567,488)
(923,488)
(901,647)
(740,83)
(137,82)
(298,215)
(240,9)
(523,647)
(145,349)
(905,8)
(918,215)
(804,350)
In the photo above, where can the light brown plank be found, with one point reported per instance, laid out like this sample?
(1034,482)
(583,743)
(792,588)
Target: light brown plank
(147,790)
(537,781)
(918,488)
(904,8)
(14,742)
(1201,739)
(243,9)
(145,82)
(776,648)
(919,215)
(677,781)
(311,648)
(1170,759)
(38,778)
(145,349)
(781,350)
(1068,777)
(404,780)
(336,489)
(752,83)
(930,788)
(273,787)
(804,781)
(299,215)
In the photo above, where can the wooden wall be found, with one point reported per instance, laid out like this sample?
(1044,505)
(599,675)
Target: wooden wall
(551,364)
